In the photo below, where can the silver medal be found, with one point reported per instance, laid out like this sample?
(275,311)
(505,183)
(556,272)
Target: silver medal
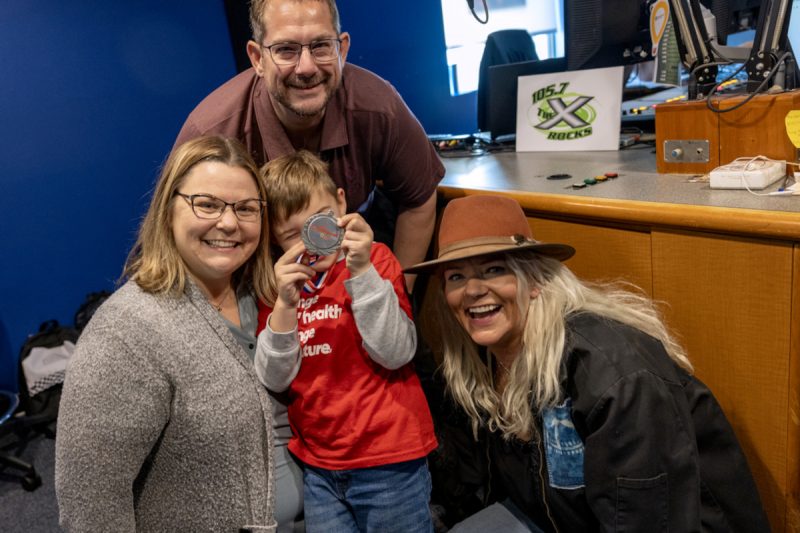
(321,235)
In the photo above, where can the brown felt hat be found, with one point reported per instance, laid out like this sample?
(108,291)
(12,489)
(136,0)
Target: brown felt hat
(483,225)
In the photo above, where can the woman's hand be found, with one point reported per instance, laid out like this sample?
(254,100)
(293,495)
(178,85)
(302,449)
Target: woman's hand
(357,243)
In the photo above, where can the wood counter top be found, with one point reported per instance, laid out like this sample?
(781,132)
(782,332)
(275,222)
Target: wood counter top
(638,195)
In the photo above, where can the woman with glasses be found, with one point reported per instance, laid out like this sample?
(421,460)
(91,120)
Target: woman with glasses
(164,425)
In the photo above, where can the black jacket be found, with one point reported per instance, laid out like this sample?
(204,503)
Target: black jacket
(639,445)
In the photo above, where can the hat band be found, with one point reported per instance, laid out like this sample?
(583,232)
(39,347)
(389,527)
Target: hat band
(489,244)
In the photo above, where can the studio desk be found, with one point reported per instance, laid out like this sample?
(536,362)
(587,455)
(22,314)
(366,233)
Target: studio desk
(725,264)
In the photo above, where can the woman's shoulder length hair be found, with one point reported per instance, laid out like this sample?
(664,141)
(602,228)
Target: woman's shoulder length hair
(535,378)
(154,262)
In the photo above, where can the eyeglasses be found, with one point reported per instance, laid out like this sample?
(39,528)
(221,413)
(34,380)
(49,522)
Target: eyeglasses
(322,50)
(210,207)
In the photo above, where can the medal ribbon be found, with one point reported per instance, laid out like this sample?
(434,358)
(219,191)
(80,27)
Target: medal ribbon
(317,281)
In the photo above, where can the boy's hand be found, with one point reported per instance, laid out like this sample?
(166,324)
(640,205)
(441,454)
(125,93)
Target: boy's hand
(290,276)
(357,243)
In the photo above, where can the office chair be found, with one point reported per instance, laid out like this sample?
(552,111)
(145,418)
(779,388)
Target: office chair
(13,435)
(504,46)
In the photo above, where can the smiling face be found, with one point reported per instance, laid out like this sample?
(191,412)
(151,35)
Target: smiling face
(286,233)
(482,294)
(213,250)
(300,92)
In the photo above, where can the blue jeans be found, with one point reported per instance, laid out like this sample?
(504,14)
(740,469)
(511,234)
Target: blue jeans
(379,499)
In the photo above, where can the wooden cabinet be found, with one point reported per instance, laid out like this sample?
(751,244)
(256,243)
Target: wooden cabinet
(730,301)
(603,252)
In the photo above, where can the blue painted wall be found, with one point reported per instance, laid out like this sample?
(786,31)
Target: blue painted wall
(92,95)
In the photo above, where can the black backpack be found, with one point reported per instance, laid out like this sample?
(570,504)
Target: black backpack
(42,399)
(43,403)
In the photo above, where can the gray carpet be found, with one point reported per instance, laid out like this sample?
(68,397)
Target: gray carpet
(37,511)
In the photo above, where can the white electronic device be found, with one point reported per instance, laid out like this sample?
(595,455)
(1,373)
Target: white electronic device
(747,173)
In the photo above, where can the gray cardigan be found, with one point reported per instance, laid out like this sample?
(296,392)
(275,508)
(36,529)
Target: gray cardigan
(163,425)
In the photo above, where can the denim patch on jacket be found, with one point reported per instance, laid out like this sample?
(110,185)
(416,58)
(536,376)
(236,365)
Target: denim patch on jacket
(563,447)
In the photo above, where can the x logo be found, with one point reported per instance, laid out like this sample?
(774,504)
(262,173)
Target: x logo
(566,113)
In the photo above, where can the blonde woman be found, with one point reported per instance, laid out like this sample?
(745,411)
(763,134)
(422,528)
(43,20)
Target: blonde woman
(580,409)
(164,425)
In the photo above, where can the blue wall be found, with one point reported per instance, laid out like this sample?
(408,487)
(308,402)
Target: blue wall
(93,94)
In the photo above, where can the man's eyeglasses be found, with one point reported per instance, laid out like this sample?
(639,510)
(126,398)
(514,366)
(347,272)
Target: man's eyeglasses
(210,207)
(286,54)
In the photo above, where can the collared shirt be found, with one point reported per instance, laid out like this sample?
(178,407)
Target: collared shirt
(368,135)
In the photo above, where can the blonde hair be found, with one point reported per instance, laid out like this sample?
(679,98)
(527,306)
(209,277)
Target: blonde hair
(154,262)
(534,379)
(290,182)
(257,8)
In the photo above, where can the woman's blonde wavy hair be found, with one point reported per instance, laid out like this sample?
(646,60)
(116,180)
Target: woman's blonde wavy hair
(534,379)
(154,262)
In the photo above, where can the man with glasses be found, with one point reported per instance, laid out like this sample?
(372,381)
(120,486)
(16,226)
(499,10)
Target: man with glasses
(300,94)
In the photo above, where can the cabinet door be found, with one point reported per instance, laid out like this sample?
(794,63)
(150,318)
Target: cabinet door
(729,299)
(602,252)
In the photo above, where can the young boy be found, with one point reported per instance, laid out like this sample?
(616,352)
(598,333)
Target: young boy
(340,339)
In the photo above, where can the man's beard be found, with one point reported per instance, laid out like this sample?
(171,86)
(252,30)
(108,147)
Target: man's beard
(283,98)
